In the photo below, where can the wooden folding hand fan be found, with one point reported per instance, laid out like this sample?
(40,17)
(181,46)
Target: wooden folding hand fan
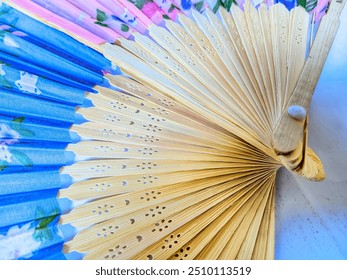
(177,157)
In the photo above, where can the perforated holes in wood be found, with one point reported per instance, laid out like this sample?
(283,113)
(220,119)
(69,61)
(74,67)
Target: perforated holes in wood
(103,209)
(183,253)
(152,195)
(298,37)
(194,29)
(132,86)
(100,187)
(166,102)
(106,132)
(161,110)
(142,53)
(154,47)
(172,241)
(103,149)
(111,118)
(100,168)
(149,139)
(189,59)
(162,225)
(118,105)
(283,28)
(179,67)
(155,212)
(147,165)
(108,230)
(125,97)
(148,180)
(115,252)
(147,151)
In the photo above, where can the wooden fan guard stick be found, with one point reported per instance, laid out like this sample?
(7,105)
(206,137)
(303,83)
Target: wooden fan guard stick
(289,132)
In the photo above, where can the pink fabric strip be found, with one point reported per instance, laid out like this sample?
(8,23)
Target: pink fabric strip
(168,8)
(93,8)
(124,14)
(320,9)
(59,21)
(152,11)
(135,11)
(72,13)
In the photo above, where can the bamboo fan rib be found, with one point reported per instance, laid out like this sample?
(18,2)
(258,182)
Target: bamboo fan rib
(176,158)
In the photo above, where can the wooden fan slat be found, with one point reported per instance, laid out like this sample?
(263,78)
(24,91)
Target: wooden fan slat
(279,22)
(139,89)
(195,245)
(234,64)
(270,250)
(257,47)
(130,202)
(92,237)
(161,99)
(264,247)
(148,227)
(200,56)
(152,78)
(87,150)
(249,57)
(155,126)
(297,44)
(236,113)
(264,21)
(248,244)
(111,134)
(149,110)
(153,129)
(173,90)
(110,186)
(106,168)
(164,63)
(253,216)
(204,52)
(247,102)
(89,131)
(186,233)
(106,150)
(216,249)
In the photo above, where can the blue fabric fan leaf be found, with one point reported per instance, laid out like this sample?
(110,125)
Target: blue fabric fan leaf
(44,75)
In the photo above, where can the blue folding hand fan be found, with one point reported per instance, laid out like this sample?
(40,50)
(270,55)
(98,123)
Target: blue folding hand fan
(171,155)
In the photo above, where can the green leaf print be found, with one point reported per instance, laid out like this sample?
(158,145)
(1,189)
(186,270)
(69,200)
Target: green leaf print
(172,7)
(5,83)
(16,125)
(18,120)
(124,28)
(3,165)
(46,221)
(22,158)
(138,3)
(100,15)
(227,4)
(199,5)
(101,24)
(216,7)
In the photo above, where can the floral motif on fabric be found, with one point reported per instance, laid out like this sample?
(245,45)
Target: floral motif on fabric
(9,136)
(19,242)
(27,83)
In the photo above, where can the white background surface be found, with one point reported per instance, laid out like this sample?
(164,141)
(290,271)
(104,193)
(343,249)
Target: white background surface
(311,217)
